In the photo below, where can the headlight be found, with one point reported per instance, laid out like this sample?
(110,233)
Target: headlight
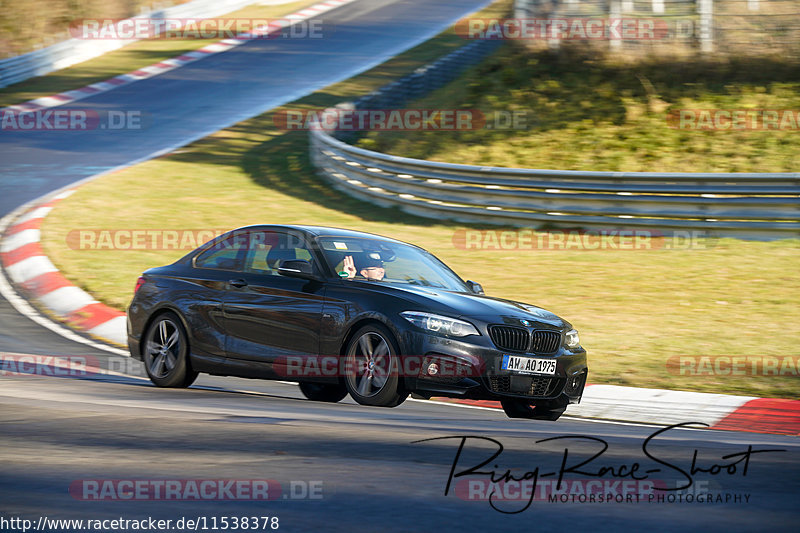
(440,324)
(571,339)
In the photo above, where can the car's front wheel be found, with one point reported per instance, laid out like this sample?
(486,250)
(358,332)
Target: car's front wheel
(323,392)
(371,367)
(166,353)
(524,409)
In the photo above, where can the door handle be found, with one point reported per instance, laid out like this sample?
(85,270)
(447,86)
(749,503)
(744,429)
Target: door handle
(237,282)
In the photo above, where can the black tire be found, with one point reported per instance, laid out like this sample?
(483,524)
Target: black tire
(523,409)
(165,352)
(323,392)
(377,384)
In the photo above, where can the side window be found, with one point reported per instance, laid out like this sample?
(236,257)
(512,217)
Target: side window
(257,259)
(223,255)
(269,249)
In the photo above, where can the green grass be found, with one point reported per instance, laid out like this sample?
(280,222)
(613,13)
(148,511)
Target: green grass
(634,309)
(129,58)
(26,25)
(586,111)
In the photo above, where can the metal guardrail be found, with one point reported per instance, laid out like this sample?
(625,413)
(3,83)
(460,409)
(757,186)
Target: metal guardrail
(735,204)
(73,51)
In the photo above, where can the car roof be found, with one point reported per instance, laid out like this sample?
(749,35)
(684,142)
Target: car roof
(323,231)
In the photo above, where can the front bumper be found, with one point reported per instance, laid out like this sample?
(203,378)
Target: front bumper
(474,372)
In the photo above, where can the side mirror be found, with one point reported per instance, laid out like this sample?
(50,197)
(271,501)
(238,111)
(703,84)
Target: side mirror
(475,288)
(297,268)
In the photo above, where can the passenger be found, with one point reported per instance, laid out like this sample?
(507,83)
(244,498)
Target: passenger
(369,267)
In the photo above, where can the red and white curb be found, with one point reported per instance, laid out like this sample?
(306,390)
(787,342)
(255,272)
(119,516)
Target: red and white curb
(32,272)
(167,65)
(667,407)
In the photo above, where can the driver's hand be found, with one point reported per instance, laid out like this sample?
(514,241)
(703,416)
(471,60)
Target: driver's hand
(349,267)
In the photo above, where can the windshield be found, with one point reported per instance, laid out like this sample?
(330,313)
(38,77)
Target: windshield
(388,262)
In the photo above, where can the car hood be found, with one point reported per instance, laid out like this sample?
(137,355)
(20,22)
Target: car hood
(466,305)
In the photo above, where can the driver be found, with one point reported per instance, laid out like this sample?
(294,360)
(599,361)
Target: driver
(369,266)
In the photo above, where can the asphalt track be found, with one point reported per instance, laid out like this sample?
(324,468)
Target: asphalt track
(374,477)
(371,474)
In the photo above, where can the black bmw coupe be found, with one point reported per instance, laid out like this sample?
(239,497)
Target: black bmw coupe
(340,312)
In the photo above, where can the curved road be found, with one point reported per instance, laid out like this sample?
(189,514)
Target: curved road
(59,433)
(202,97)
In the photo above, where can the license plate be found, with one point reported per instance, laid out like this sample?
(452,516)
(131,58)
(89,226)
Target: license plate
(529,365)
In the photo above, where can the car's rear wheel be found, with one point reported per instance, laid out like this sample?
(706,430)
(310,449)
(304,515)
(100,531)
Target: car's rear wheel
(371,367)
(166,353)
(524,409)
(323,392)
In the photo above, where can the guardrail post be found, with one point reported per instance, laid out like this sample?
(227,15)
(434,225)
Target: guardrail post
(704,9)
(615,12)
(522,9)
